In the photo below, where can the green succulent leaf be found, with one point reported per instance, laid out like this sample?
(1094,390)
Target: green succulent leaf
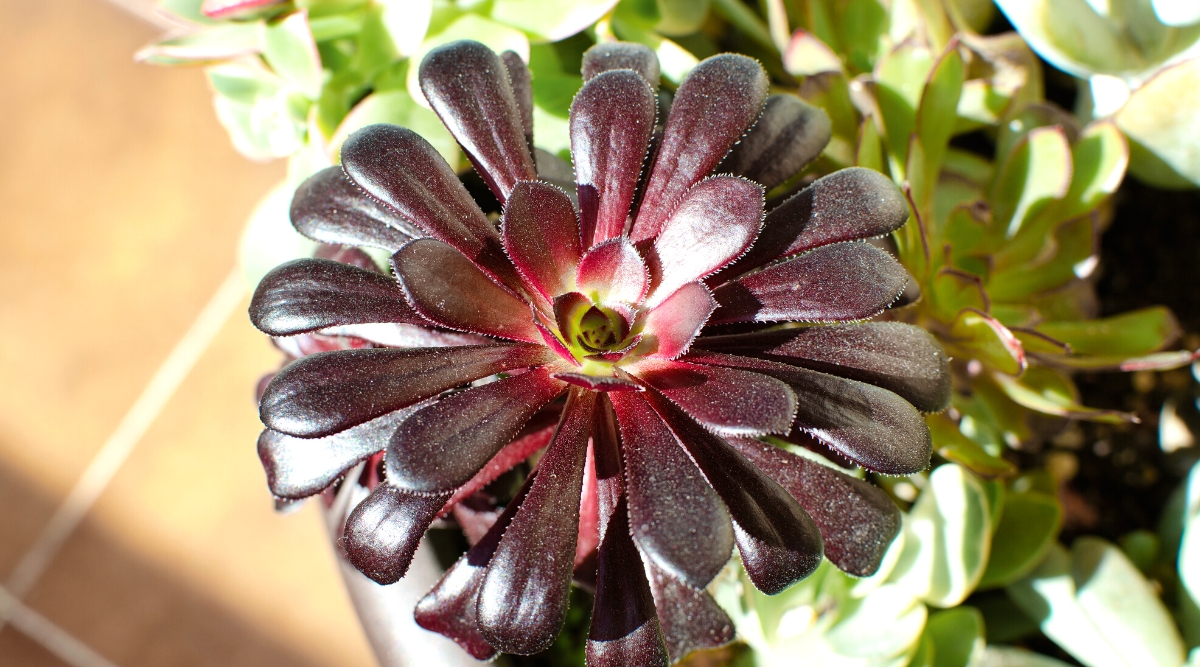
(936,115)
(868,151)
(900,78)
(1011,656)
(1162,121)
(1135,333)
(946,538)
(1037,172)
(208,45)
(952,445)
(550,21)
(957,636)
(290,50)
(806,55)
(406,22)
(976,335)
(861,27)
(264,120)
(951,291)
(1028,527)
(1189,546)
(1050,392)
(674,60)
(681,17)
(1069,253)
(1098,607)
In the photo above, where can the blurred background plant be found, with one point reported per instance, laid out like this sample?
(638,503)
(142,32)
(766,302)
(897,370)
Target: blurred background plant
(1010,195)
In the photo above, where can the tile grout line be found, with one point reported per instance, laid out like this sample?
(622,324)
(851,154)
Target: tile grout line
(105,464)
(51,637)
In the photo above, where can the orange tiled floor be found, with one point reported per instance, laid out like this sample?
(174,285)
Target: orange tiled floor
(120,205)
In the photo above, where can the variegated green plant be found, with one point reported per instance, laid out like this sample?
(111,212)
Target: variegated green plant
(293,78)
(1139,63)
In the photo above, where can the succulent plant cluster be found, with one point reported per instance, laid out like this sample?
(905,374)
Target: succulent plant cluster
(645,312)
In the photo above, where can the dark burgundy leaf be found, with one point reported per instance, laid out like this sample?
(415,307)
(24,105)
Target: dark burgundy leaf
(536,437)
(451,608)
(714,224)
(325,393)
(857,520)
(522,87)
(467,85)
(723,400)
(615,271)
(690,618)
(676,518)
(398,167)
(606,449)
(383,532)
(872,427)
(541,236)
(612,119)
(778,541)
(607,56)
(598,383)
(301,467)
(837,283)
(625,628)
(673,324)
(523,600)
(445,287)
(847,205)
(305,295)
(330,208)
(440,447)
(900,357)
(714,106)
(788,135)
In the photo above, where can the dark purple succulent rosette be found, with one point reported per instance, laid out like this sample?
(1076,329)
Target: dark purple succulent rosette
(650,308)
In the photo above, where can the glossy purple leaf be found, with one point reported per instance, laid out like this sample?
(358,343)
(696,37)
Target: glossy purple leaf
(612,119)
(673,324)
(440,447)
(541,237)
(858,521)
(788,135)
(305,295)
(383,532)
(900,357)
(450,608)
(326,393)
(608,56)
(676,518)
(606,446)
(847,205)
(447,289)
(614,270)
(624,629)
(523,600)
(715,223)
(837,283)
(724,400)
(330,208)
(522,87)
(714,106)
(468,87)
(779,543)
(872,427)
(398,167)
(690,619)
(300,467)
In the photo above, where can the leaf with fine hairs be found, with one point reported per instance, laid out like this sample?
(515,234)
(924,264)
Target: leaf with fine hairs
(541,237)
(383,532)
(718,101)
(607,56)
(305,295)
(468,87)
(330,208)
(329,392)
(729,401)
(612,120)
(788,135)
(443,445)
(676,518)
(837,283)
